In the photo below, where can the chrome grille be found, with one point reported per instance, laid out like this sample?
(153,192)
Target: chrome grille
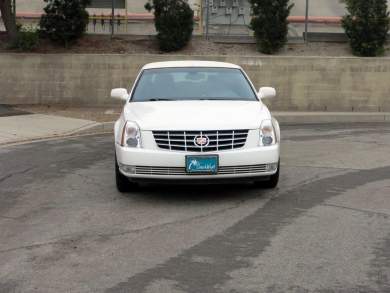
(223,170)
(218,140)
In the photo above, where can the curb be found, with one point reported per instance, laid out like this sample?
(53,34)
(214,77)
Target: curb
(284,118)
(103,127)
(95,128)
(331,117)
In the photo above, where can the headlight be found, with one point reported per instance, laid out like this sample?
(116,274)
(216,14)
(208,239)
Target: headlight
(267,133)
(131,135)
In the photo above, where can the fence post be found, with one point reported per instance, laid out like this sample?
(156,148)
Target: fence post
(126,14)
(207,18)
(306,20)
(200,18)
(14,8)
(112,17)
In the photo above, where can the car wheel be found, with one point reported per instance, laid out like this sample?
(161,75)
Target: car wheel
(122,182)
(272,182)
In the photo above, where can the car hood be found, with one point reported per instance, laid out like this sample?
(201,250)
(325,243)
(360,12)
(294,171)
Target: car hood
(197,115)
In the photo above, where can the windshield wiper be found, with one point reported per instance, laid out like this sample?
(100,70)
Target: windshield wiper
(221,99)
(210,99)
(225,99)
(157,100)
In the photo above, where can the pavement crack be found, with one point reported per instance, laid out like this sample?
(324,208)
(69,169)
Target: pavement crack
(30,246)
(2,179)
(91,235)
(175,222)
(386,215)
(87,178)
(322,167)
(9,218)
(5,177)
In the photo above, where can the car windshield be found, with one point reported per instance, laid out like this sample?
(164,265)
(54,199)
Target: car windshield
(166,84)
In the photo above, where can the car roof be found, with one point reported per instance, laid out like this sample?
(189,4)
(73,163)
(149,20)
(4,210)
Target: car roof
(190,63)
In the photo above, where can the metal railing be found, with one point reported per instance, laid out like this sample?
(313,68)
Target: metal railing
(216,18)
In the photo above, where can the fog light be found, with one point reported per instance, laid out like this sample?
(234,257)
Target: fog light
(127,169)
(267,140)
(132,142)
(272,167)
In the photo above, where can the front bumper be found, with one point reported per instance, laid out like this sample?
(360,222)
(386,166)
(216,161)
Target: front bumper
(139,163)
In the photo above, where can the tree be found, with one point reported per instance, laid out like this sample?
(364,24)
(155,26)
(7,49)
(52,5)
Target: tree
(8,18)
(366,26)
(174,22)
(270,24)
(65,20)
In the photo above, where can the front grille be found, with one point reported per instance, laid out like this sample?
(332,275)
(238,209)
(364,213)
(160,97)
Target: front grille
(218,140)
(226,170)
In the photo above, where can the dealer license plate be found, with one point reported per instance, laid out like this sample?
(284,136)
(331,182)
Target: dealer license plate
(202,164)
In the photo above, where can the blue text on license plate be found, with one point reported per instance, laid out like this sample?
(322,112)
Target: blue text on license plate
(202,164)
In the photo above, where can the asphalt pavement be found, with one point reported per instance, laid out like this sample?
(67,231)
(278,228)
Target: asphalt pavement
(65,228)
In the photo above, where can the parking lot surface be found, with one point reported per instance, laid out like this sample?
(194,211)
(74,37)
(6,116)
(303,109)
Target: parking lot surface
(326,228)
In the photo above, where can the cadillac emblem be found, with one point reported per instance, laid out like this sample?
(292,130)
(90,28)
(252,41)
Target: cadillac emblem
(201,140)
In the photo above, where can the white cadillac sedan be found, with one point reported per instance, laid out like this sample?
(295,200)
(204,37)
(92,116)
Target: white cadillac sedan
(196,121)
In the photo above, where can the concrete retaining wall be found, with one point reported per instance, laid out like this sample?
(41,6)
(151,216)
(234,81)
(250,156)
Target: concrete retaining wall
(303,83)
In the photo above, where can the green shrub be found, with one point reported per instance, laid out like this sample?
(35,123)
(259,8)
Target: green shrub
(270,24)
(65,20)
(27,39)
(366,26)
(174,22)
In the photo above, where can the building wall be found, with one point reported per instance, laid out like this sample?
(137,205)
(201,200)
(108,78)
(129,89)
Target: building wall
(36,6)
(228,12)
(302,83)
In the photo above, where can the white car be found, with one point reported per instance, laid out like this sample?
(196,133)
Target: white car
(197,121)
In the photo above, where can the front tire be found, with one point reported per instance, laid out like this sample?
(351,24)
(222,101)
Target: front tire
(122,182)
(272,182)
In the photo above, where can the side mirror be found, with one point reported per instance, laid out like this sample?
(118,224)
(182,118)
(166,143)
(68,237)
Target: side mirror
(119,93)
(267,92)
